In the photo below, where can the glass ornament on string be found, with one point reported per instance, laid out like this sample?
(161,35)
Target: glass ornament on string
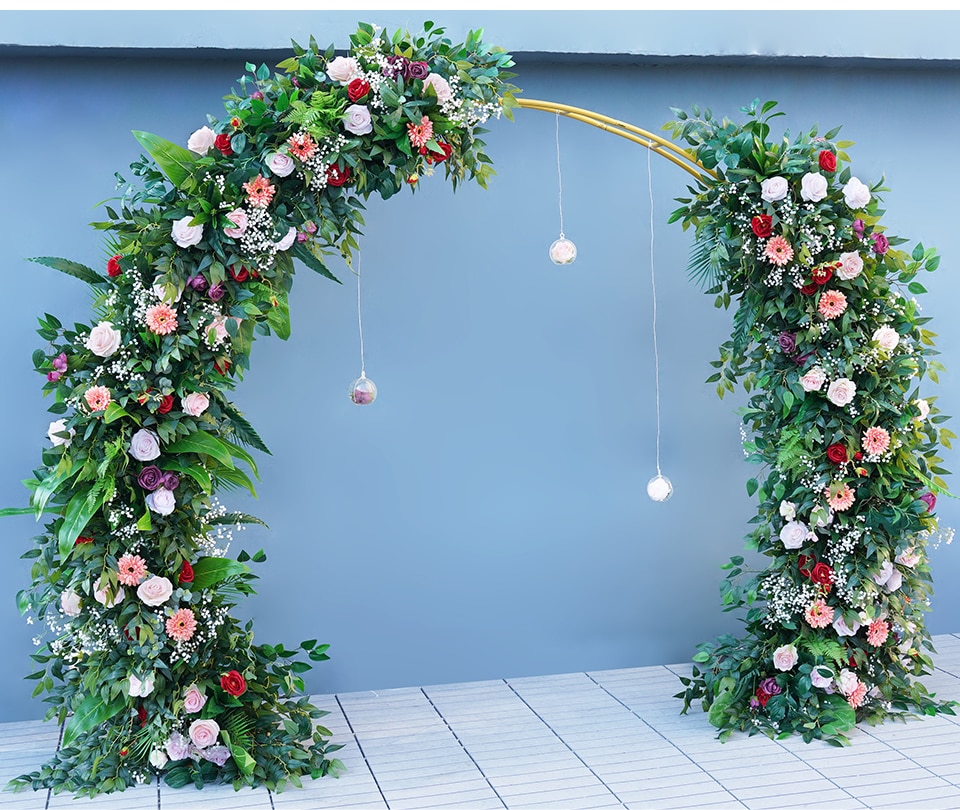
(563,250)
(363,391)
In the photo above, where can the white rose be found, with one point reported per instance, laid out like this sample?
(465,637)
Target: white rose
(60,426)
(842,391)
(924,407)
(144,445)
(142,688)
(163,292)
(886,571)
(239,219)
(794,534)
(821,517)
(287,241)
(70,603)
(856,194)
(774,188)
(851,265)
(162,501)
(202,140)
(819,680)
(155,591)
(788,510)
(895,581)
(158,758)
(847,681)
(813,187)
(440,85)
(280,164)
(104,340)
(185,234)
(204,732)
(100,594)
(356,119)
(194,403)
(887,338)
(785,657)
(843,629)
(342,69)
(814,379)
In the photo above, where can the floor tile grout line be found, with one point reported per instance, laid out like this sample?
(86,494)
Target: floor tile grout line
(568,746)
(666,739)
(820,773)
(907,757)
(46,805)
(158,791)
(270,796)
(460,742)
(360,748)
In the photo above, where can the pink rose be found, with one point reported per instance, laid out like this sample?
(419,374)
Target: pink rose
(185,234)
(100,594)
(162,501)
(909,558)
(177,746)
(856,193)
(343,69)
(155,591)
(356,120)
(774,188)
(847,681)
(239,218)
(843,629)
(287,241)
(144,445)
(104,340)
(280,164)
(851,265)
(886,338)
(794,534)
(217,754)
(813,187)
(202,140)
(194,403)
(814,379)
(204,733)
(819,680)
(785,657)
(842,391)
(70,603)
(193,700)
(440,86)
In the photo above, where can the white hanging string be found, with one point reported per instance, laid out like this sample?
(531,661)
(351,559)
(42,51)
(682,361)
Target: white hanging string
(653,285)
(559,176)
(363,373)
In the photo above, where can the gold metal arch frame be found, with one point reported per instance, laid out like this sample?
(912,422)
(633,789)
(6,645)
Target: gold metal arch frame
(663,147)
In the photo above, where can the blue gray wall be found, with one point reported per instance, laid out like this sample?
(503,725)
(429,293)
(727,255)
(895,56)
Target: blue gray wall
(486,517)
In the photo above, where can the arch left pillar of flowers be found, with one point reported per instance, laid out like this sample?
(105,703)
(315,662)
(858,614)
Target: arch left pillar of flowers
(145,663)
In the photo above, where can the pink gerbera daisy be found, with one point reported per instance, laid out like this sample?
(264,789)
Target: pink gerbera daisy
(857,696)
(259,191)
(423,132)
(878,632)
(777,251)
(833,304)
(182,625)
(161,319)
(97,397)
(876,440)
(131,569)
(840,498)
(302,145)
(819,614)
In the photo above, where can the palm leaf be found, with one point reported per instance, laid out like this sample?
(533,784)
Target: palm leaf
(75,269)
(243,431)
(703,267)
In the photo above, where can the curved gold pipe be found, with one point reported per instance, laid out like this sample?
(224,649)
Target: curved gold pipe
(664,148)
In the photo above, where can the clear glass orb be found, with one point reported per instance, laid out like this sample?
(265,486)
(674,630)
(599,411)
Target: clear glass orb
(363,391)
(659,488)
(563,251)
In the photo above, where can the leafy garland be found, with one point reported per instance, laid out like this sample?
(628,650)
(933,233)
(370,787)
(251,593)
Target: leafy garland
(829,344)
(131,576)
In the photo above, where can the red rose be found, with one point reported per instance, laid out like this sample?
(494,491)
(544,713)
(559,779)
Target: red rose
(337,176)
(222,143)
(221,366)
(235,122)
(436,157)
(857,456)
(762,225)
(828,161)
(821,275)
(763,696)
(142,716)
(803,563)
(810,288)
(837,453)
(240,275)
(357,89)
(186,573)
(81,540)
(233,683)
(821,574)
(113,266)
(166,404)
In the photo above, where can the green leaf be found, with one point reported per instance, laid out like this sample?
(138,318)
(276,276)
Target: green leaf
(916,288)
(145,524)
(74,269)
(82,507)
(752,486)
(206,444)
(174,161)
(278,317)
(299,251)
(113,413)
(23,510)
(718,709)
(208,571)
(90,714)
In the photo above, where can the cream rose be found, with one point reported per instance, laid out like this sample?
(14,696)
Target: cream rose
(202,140)
(162,501)
(819,680)
(924,407)
(287,241)
(886,338)
(794,534)
(193,700)
(440,86)
(158,758)
(785,657)
(847,681)
(843,629)
(856,194)
(280,164)
(142,688)
(774,188)
(100,594)
(104,340)
(185,234)
(70,603)
(814,379)
(239,219)
(895,581)
(194,403)
(886,571)
(851,265)
(60,426)
(788,510)
(204,733)
(144,445)
(342,69)
(155,591)
(356,119)
(813,187)
(842,391)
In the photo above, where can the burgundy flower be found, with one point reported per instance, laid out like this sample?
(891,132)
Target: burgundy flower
(837,453)
(216,292)
(198,283)
(787,342)
(336,176)
(186,573)
(395,66)
(858,226)
(822,274)
(930,500)
(150,478)
(770,686)
(810,289)
(416,70)
(171,481)
(239,273)
(166,404)
(880,243)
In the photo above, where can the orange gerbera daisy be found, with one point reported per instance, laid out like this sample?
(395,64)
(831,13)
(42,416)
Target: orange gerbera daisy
(778,251)
(259,191)
(420,133)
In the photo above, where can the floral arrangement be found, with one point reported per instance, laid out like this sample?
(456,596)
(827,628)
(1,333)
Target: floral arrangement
(131,577)
(830,346)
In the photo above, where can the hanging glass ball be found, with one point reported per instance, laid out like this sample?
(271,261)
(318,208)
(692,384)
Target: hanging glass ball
(659,488)
(563,251)
(363,391)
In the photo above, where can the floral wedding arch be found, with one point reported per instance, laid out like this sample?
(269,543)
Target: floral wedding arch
(152,674)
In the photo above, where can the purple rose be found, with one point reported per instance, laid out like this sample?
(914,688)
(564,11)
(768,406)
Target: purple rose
(395,66)
(171,481)
(754,703)
(198,283)
(880,243)
(930,500)
(416,70)
(858,227)
(257,95)
(800,359)
(53,376)
(150,478)
(216,292)
(788,342)
(217,754)
(60,362)
(770,686)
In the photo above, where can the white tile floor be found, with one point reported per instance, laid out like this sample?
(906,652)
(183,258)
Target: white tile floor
(584,741)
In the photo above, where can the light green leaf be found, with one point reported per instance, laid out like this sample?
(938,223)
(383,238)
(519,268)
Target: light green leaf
(174,161)
(82,507)
(113,413)
(208,571)
(74,269)
(205,444)
(90,714)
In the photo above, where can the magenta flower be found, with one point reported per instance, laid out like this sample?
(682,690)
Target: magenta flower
(880,243)
(858,226)
(930,500)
